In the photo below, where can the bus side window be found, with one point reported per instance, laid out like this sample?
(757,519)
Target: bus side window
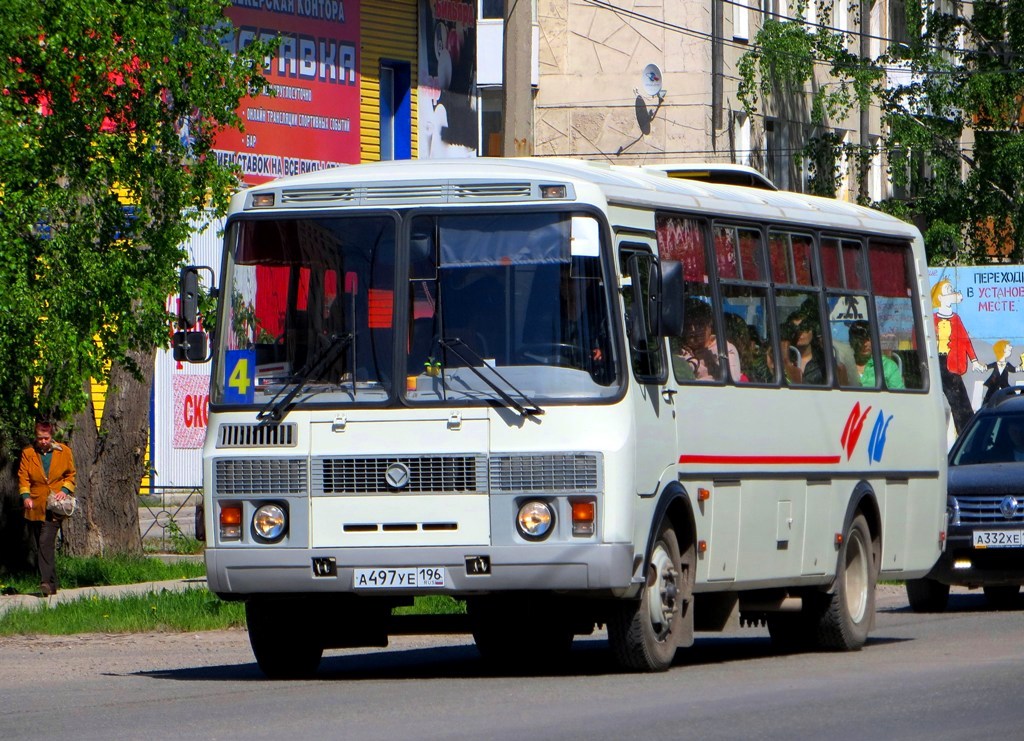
(644,347)
(899,324)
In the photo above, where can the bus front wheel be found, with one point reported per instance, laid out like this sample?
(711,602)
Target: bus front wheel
(645,633)
(844,617)
(284,648)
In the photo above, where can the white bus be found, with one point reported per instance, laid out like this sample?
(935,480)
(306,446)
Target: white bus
(572,395)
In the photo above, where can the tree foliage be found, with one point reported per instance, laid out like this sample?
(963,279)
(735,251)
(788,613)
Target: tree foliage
(951,95)
(108,113)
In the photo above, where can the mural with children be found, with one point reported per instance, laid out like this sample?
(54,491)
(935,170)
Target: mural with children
(979,325)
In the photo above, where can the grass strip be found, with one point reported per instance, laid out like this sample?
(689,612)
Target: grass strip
(99,571)
(167,611)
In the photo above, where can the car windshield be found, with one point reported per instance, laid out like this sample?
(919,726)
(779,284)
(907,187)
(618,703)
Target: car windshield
(992,438)
(494,306)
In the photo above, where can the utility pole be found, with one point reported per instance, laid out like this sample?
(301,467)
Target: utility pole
(517,86)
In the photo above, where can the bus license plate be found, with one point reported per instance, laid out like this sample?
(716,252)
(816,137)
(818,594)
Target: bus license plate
(998,538)
(414,577)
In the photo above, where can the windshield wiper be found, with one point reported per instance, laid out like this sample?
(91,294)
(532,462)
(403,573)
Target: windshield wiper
(276,409)
(450,343)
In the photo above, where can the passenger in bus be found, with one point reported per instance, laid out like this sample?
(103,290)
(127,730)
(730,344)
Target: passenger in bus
(699,348)
(791,372)
(863,357)
(803,331)
(752,361)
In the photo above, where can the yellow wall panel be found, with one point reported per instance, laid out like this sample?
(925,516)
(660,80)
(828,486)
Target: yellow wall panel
(388,31)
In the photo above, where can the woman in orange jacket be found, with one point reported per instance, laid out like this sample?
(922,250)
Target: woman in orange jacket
(46,466)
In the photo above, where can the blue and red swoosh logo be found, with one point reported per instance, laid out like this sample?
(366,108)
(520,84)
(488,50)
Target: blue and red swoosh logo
(848,441)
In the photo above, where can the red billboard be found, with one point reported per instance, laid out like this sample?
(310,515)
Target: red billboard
(311,119)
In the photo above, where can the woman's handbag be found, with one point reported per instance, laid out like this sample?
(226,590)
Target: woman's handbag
(61,507)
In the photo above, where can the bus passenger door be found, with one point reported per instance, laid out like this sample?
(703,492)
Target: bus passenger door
(652,391)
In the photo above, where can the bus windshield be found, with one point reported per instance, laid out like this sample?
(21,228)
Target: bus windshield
(494,305)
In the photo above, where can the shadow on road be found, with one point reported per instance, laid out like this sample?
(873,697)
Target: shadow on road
(959,602)
(589,657)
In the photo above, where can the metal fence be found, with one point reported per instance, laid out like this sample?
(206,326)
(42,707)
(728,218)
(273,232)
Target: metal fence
(167,512)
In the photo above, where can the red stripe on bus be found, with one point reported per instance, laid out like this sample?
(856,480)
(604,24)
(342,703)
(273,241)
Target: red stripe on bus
(774,460)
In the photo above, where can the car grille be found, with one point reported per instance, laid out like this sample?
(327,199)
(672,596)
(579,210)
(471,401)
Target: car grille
(974,510)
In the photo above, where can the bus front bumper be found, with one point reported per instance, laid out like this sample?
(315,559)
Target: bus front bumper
(238,572)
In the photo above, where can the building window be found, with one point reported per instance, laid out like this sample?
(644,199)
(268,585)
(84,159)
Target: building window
(741,138)
(740,20)
(490,123)
(492,9)
(875,170)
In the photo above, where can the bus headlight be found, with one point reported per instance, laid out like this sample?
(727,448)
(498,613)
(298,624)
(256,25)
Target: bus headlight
(269,522)
(535,520)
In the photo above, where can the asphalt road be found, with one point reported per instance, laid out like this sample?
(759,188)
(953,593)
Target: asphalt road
(955,675)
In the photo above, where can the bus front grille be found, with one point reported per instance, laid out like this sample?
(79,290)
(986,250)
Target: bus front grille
(260,477)
(547,472)
(465,474)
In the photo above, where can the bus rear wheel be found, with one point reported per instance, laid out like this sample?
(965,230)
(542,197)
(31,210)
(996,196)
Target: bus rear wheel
(644,634)
(284,647)
(845,616)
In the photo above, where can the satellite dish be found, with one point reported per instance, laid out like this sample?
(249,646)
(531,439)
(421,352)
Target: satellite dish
(651,79)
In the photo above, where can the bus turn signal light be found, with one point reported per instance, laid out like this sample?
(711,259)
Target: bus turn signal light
(231,522)
(583,518)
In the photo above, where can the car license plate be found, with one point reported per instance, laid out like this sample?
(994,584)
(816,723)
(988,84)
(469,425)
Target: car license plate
(998,538)
(412,577)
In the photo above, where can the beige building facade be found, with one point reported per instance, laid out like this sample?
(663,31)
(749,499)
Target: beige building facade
(591,99)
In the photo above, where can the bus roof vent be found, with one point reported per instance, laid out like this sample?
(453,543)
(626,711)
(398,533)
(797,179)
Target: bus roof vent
(409,192)
(491,191)
(256,436)
(318,195)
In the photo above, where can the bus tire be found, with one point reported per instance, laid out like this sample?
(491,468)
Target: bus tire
(845,616)
(284,648)
(927,595)
(644,634)
(1002,597)
(790,632)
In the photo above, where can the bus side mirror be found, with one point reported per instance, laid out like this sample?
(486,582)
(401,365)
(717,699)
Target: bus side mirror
(188,303)
(671,298)
(190,347)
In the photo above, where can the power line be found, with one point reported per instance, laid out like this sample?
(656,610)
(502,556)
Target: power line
(706,36)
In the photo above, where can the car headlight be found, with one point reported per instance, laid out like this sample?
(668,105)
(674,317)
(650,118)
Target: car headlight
(269,522)
(535,520)
(952,511)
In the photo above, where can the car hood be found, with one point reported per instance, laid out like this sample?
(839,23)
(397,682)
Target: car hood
(986,479)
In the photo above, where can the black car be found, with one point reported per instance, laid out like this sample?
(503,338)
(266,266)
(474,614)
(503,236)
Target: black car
(984,510)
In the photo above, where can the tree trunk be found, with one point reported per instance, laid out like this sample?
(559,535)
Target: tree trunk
(111,463)
(14,545)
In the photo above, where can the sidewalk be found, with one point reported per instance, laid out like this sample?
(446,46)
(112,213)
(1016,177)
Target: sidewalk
(11,601)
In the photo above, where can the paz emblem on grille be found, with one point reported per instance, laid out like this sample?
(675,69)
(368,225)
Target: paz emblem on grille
(397,475)
(1008,507)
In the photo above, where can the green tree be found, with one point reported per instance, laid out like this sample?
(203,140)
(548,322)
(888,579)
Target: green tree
(950,87)
(108,112)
